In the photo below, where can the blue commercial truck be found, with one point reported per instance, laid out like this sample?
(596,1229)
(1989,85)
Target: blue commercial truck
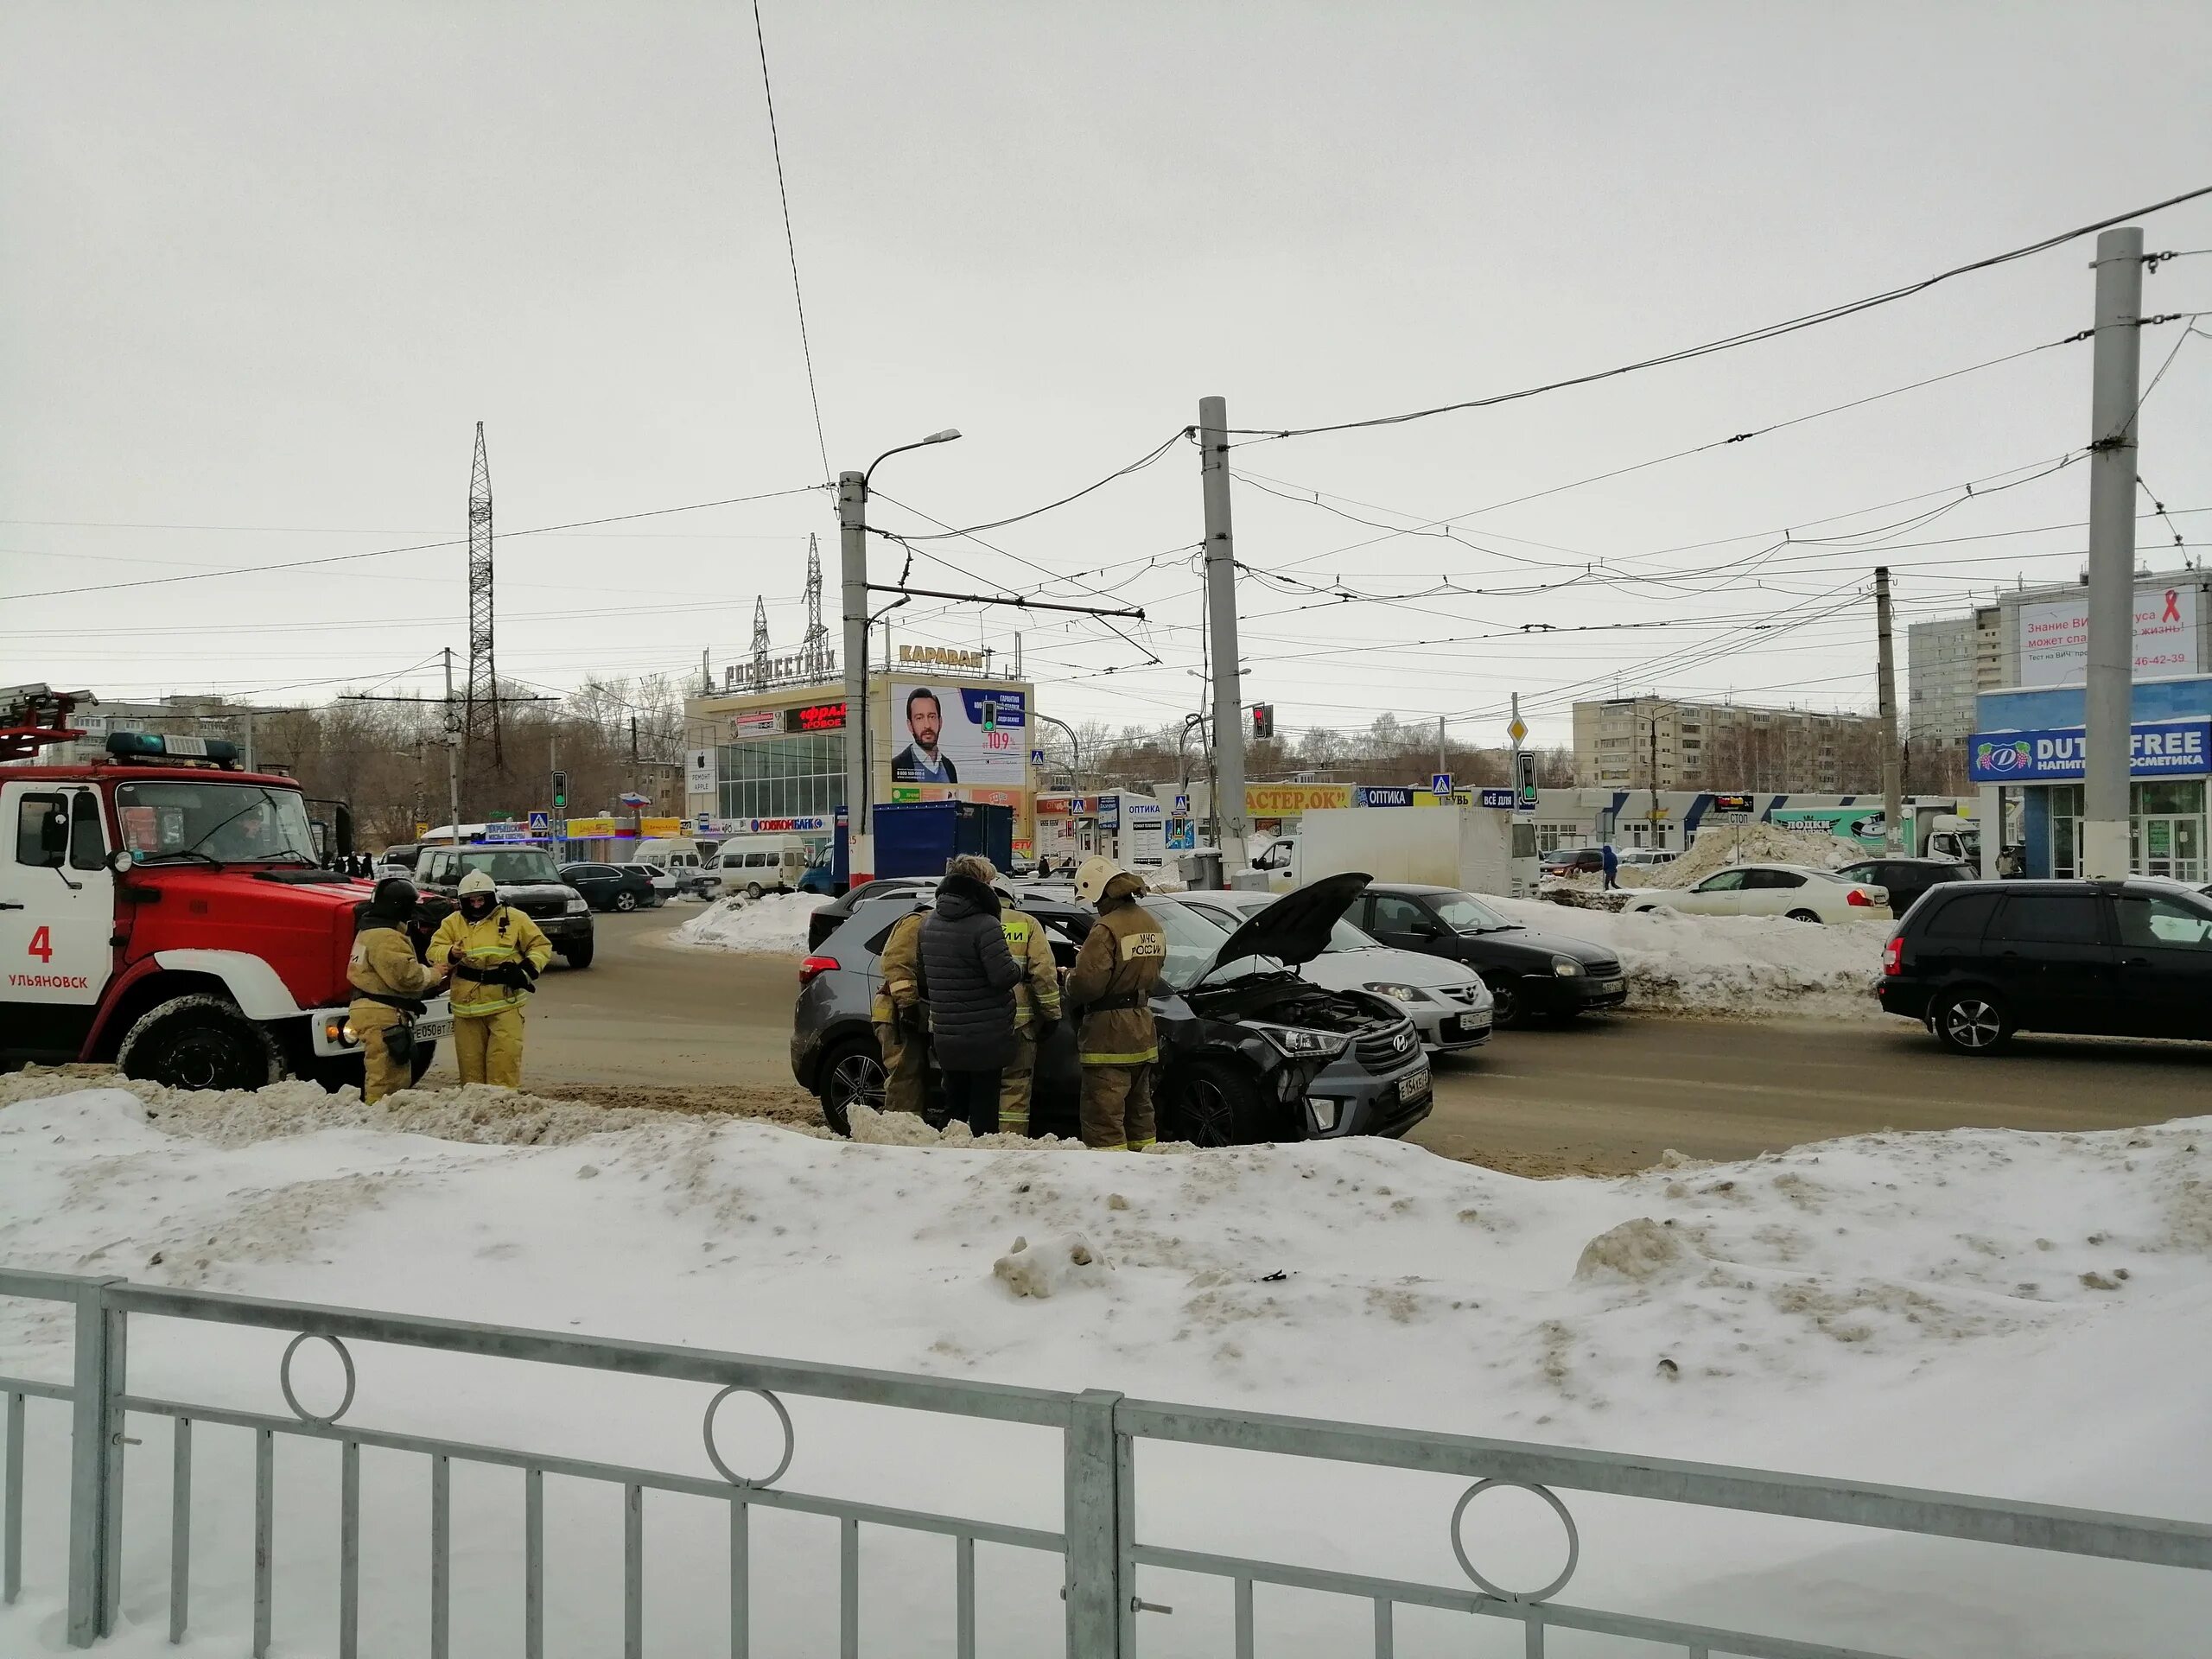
(920,837)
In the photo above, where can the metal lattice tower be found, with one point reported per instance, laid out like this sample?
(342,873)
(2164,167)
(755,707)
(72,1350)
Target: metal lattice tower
(814,653)
(760,641)
(481,720)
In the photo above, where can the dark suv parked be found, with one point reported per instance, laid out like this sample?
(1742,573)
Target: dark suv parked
(1978,961)
(1906,878)
(527,881)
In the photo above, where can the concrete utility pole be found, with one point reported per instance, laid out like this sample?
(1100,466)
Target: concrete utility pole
(1892,766)
(851,549)
(2106,807)
(453,753)
(1441,764)
(1221,618)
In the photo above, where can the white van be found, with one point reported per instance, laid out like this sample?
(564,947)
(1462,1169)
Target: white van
(753,865)
(693,869)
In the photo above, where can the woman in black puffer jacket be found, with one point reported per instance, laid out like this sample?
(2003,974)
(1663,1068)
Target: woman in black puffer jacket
(970,976)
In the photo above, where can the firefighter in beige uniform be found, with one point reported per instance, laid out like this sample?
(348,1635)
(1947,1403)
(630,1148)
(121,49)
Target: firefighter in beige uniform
(497,954)
(389,982)
(900,1017)
(1111,987)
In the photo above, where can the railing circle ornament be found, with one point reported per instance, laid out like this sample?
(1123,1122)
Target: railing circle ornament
(284,1379)
(715,1456)
(1573,1542)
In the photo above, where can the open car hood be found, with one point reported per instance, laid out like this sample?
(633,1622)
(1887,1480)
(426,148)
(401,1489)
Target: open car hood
(1295,928)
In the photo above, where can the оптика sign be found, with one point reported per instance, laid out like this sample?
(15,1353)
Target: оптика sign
(2157,749)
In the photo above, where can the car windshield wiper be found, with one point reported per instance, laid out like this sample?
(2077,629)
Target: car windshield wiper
(181,852)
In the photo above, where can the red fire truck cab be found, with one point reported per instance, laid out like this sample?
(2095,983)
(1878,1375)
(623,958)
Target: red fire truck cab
(165,910)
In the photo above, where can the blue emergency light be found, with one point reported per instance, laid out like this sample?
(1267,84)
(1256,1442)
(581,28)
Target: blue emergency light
(152,745)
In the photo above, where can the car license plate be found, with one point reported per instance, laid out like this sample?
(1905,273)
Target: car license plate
(427,1030)
(1609,986)
(1470,1025)
(1414,1086)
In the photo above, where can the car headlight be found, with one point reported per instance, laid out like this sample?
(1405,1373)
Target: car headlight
(1565,967)
(1303,1044)
(1399,993)
(577,907)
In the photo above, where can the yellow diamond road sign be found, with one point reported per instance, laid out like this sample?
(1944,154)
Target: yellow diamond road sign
(1517,730)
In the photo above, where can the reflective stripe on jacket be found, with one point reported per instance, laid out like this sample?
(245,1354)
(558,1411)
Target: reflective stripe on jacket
(1037,995)
(504,936)
(899,969)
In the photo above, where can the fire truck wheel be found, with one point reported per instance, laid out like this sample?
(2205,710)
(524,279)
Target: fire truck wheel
(201,1041)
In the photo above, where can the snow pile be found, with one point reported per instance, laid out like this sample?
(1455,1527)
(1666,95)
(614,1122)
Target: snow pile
(1746,965)
(772,924)
(2025,1315)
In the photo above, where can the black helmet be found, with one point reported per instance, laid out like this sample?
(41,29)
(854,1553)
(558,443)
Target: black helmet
(394,898)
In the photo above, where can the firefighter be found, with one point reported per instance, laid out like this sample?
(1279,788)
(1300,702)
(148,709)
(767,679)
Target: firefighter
(389,983)
(1036,998)
(900,1016)
(1110,988)
(497,954)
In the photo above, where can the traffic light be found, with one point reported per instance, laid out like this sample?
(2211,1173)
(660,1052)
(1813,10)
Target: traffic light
(560,791)
(1264,720)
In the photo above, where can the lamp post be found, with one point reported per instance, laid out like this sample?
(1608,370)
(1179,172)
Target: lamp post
(852,542)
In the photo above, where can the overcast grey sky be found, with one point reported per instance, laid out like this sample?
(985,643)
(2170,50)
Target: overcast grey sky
(263,265)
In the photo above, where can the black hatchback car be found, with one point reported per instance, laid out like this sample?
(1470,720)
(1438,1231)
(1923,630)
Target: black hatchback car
(1249,1051)
(1978,961)
(1527,972)
(1906,878)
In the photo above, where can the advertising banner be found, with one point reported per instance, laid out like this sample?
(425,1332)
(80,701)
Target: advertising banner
(959,735)
(2054,637)
(585,829)
(699,772)
(1280,800)
(2173,748)
(660,829)
(1387,795)
(756,722)
(1498,798)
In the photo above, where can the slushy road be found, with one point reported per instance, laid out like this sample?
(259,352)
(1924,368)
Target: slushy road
(1602,1096)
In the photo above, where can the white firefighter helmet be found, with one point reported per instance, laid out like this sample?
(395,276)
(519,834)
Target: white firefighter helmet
(478,882)
(1090,879)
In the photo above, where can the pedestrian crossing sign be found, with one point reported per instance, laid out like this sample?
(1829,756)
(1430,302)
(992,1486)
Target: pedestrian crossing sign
(540,823)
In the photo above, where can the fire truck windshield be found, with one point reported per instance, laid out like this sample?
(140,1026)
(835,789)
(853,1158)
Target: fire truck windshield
(220,822)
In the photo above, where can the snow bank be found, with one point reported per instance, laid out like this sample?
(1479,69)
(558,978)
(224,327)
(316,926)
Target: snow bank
(1718,845)
(2018,1314)
(1755,966)
(772,924)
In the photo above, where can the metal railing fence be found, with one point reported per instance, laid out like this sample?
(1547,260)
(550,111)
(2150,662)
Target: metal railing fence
(1101,1551)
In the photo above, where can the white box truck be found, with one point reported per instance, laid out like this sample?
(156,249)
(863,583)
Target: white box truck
(1477,848)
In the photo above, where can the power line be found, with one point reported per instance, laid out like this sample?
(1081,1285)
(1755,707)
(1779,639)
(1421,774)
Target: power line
(1729,342)
(418,547)
(1136,466)
(790,243)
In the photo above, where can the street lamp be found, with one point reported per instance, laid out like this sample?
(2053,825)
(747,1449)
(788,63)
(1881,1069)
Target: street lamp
(852,538)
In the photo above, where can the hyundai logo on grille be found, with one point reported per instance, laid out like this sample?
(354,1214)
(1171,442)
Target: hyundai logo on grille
(1402,1041)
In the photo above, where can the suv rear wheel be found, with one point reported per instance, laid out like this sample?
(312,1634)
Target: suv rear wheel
(201,1041)
(1971,1022)
(853,1071)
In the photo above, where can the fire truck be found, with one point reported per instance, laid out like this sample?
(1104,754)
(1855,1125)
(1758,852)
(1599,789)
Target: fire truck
(165,910)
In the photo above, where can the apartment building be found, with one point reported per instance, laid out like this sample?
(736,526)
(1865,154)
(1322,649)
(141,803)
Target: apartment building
(1666,743)
(1948,662)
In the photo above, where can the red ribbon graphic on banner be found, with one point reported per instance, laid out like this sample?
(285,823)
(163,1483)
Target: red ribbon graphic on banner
(2173,606)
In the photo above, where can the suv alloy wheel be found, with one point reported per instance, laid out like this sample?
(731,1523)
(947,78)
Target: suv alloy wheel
(1971,1022)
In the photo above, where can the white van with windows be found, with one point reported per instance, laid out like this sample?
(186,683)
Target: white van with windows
(753,865)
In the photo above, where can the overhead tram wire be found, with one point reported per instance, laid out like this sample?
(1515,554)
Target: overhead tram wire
(419,547)
(790,243)
(1730,342)
(1136,466)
